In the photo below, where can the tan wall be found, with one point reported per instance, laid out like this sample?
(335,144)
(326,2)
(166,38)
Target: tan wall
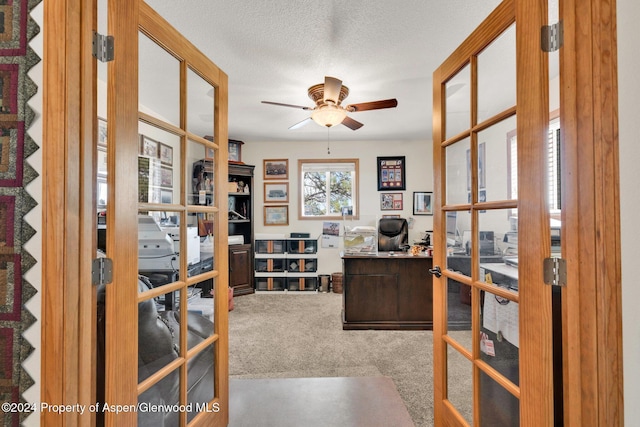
(419,177)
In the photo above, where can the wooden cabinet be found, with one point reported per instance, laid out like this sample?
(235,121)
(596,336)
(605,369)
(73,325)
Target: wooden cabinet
(240,269)
(240,198)
(387,292)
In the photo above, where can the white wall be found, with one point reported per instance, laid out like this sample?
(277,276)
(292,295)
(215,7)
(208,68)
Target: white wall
(418,172)
(628,95)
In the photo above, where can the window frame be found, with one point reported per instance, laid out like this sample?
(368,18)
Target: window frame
(355,192)
(554,185)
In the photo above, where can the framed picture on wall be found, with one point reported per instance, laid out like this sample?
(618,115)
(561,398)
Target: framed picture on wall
(102,161)
(422,203)
(166,196)
(391,202)
(276,168)
(148,147)
(391,173)
(102,132)
(166,177)
(276,215)
(235,151)
(276,192)
(166,154)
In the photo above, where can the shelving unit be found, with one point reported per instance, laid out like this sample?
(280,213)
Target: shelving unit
(240,198)
(286,264)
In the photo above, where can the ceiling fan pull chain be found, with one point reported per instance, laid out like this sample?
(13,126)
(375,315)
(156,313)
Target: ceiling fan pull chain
(328,141)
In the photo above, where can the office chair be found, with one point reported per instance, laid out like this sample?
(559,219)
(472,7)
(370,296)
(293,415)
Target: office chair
(393,234)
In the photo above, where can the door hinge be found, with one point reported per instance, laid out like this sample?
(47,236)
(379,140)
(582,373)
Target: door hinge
(552,37)
(555,271)
(101,271)
(102,47)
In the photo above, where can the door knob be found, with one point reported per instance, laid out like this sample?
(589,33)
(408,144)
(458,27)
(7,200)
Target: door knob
(436,271)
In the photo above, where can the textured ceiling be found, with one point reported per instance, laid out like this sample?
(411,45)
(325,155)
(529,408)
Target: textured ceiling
(274,50)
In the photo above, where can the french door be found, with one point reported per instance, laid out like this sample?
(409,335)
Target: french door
(163,97)
(492,309)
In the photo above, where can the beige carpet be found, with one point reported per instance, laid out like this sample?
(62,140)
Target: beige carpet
(299,336)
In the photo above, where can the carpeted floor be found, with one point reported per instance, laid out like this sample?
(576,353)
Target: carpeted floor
(300,335)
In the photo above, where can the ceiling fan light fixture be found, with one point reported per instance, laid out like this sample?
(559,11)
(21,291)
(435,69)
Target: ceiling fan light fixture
(328,115)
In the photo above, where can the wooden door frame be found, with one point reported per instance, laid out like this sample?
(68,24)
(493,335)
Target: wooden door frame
(592,311)
(535,388)
(68,315)
(592,301)
(68,214)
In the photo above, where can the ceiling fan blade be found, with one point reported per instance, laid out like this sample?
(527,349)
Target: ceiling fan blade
(300,124)
(332,88)
(287,105)
(352,124)
(374,105)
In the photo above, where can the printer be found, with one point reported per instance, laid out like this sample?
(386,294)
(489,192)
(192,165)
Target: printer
(159,247)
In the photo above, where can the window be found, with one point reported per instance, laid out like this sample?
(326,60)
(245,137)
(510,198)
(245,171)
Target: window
(553,163)
(328,188)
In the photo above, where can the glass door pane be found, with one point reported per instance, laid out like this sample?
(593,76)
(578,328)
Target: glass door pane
(488,172)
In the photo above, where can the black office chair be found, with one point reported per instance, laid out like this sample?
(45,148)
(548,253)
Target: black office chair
(393,234)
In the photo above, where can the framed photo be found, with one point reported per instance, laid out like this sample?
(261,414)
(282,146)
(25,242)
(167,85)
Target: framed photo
(391,202)
(102,161)
(235,151)
(390,216)
(166,196)
(482,174)
(391,173)
(209,152)
(276,215)
(423,203)
(276,192)
(148,147)
(166,177)
(166,154)
(102,132)
(276,168)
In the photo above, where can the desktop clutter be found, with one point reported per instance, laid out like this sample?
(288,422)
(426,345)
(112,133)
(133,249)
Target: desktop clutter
(390,236)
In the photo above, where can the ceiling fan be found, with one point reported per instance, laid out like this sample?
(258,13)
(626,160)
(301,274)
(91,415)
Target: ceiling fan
(328,112)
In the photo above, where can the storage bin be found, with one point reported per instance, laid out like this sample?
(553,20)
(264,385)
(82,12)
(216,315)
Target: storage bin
(264,265)
(271,246)
(270,283)
(302,265)
(302,246)
(302,283)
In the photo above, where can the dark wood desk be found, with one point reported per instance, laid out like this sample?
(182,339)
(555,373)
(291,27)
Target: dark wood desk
(387,292)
